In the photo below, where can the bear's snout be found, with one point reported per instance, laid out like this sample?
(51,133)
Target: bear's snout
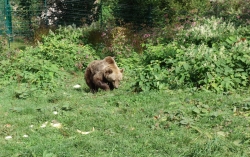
(116,84)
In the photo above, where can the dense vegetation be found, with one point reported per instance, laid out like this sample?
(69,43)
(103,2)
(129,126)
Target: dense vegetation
(211,54)
(185,90)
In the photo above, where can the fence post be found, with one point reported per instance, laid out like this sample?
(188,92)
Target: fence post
(100,13)
(150,18)
(46,13)
(8,21)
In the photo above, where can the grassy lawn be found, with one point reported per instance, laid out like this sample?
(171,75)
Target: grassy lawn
(74,122)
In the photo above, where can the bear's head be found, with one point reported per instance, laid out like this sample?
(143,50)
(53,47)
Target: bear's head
(113,76)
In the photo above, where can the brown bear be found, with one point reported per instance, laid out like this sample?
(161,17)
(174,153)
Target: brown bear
(103,74)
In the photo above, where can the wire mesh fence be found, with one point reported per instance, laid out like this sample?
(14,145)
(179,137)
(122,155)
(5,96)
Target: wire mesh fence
(2,24)
(6,17)
(136,14)
(24,17)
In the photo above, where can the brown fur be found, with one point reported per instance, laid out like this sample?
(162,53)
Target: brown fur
(103,74)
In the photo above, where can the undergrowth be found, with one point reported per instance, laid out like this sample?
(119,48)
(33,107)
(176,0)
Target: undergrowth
(210,55)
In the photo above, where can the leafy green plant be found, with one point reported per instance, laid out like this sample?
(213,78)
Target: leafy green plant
(213,55)
(26,68)
(207,30)
(217,69)
(65,48)
(159,52)
(150,77)
(3,44)
(212,68)
(45,65)
(235,11)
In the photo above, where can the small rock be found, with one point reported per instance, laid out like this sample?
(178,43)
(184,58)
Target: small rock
(76,86)
(8,137)
(25,136)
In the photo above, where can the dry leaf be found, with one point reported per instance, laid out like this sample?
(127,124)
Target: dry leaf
(8,137)
(7,125)
(25,136)
(56,124)
(221,133)
(44,125)
(85,133)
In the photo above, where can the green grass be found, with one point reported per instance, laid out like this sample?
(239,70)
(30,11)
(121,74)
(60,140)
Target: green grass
(165,123)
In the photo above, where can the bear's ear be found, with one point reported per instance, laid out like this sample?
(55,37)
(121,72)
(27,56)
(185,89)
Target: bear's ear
(109,60)
(109,71)
(121,70)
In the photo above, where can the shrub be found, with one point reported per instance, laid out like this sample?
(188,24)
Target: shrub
(216,69)
(120,42)
(150,77)
(44,66)
(236,11)
(31,70)
(3,44)
(212,68)
(212,55)
(159,52)
(206,30)
(65,48)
